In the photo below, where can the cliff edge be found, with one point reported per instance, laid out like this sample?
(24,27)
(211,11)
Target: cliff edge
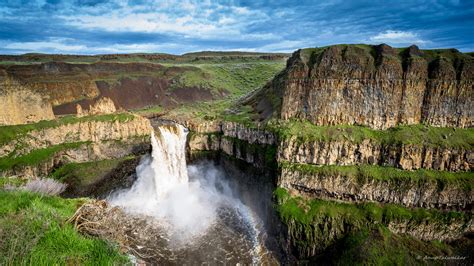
(375,86)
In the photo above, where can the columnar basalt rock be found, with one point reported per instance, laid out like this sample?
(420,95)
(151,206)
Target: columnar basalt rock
(87,152)
(78,141)
(252,145)
(406,192)
(406,157)
(377,86)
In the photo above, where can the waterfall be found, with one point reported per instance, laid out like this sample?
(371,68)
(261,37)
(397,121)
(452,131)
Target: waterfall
(159,174)
(199,207)
(168,158)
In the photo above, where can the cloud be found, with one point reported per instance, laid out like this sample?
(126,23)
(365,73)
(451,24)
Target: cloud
(180,26)
(45,46)
(397,37)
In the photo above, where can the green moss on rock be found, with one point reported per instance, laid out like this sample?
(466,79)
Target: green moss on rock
(429,136)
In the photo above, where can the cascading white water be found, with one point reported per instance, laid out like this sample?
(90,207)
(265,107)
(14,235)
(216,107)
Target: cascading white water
(168,158)
(163,190)
(158,175)
(186,208)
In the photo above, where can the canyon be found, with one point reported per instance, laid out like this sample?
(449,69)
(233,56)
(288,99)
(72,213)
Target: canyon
(356,141)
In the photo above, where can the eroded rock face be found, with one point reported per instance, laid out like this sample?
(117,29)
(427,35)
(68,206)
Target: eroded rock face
(20,105)
(252,145)
(313,239)
(103,150)
(407,192)
(98,140)
(85,131)
(102,106)
(377,86)
(406,157)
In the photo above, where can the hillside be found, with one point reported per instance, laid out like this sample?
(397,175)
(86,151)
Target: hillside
(36,86)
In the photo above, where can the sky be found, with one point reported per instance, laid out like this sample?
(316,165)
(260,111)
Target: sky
(180,26)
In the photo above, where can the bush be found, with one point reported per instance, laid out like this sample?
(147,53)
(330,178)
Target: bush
(45,186)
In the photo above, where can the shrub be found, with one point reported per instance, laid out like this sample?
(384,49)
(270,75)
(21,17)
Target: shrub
(45,186)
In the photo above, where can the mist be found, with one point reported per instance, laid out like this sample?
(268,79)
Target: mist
(185,200)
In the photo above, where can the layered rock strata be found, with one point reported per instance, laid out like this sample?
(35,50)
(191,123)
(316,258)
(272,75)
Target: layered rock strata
(369,152)
(20,105)
(254,146)
(426,192)
(81,140)
(377,86)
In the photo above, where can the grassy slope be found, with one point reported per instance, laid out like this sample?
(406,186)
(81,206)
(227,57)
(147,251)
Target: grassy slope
(33,231)
(429,136)
(36,156)
(83,174)
(310,211)
(379,246)
(311,222)
(234,79)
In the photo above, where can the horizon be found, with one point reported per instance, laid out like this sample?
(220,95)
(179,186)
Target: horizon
(96,27)
(224,51)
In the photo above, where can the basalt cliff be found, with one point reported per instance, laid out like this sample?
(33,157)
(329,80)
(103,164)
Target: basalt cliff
(367,146)
(362,124)
(376,86)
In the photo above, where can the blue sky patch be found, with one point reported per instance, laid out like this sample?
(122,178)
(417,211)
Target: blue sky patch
(173,26)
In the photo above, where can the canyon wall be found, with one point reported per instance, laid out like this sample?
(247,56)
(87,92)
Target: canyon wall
(372,98)
(36,152)
(369,152)
(424,192)
(355,187)
(375,86)
(19,105)
(252,145)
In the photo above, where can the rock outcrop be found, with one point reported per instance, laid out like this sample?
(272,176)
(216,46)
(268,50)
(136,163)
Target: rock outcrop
(20,105)
(424,192)
(368,152)
(80,131)
(86,152)
(310,240)
(81,140)
(103,105)
(376,86)
(252,145)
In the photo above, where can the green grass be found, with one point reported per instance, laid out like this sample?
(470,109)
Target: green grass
(9,133)
(235,78)
(11,181)
(367,173)
(314,211)
(83,174)
(36,156)
(33,231)
(305,131)
(314,224)
(309,54)
(155,109)
(189,58)
(379,246)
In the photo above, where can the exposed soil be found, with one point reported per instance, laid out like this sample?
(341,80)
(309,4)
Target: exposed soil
(138,93)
